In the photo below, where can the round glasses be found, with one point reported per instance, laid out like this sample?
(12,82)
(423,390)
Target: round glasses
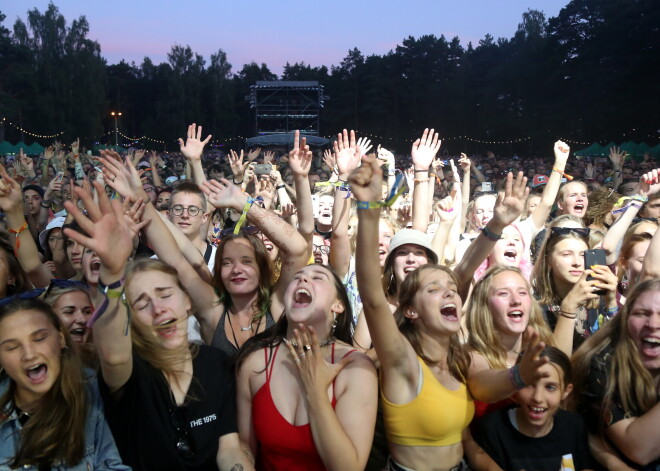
(178,210)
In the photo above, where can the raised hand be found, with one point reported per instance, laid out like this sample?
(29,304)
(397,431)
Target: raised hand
(445,207)
(366,180)
(511,202)
(287,210)
(133,215)
(465,163)
(347,153)
(424,149)
(121,177)
(49,152)
(55,185)
(109,234)
(385,156)
(138,156)
(236,163)
(300,157)
(329,159)
(562,151)
(26,162)
(253,154)
(264,188)
(194,146)
(224,194)
(11,195)
(617,157)
(364,144)
(75,146)
(649,183)
(269,155)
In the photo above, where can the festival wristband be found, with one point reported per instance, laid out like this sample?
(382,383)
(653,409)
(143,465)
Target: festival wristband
(241,220)
(515,378)
(561,172)
(116,291)
(18,231)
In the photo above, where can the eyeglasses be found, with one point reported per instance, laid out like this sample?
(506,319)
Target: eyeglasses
(179,420)
(324,249)
(193,211)
(581,231)
(59,283)
(34,293)
(250,230)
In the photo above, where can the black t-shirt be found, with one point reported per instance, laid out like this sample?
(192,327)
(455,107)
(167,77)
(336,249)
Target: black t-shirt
(147,425)
(514,451)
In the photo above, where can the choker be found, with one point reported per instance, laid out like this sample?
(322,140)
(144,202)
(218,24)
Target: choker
(245,329)
(327,341)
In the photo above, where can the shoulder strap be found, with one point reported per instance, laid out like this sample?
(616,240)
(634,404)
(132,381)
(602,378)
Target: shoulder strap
(270,360)
(208,252)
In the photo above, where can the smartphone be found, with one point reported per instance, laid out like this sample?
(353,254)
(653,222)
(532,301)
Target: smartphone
(486,186)
(60,176)
(263,169)
(315,206)
(591,258)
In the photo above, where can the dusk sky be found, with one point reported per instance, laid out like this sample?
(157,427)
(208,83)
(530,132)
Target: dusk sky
(318,33)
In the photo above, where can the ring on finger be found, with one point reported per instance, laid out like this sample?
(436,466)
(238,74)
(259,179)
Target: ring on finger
(307,348)
(301,354)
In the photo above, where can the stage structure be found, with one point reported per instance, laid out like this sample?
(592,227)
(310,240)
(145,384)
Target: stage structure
(283,106)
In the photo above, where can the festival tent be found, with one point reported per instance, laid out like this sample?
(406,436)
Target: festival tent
(593,150)
(655,150)
(21,145)
(7,148)
(35,149)
(283,140)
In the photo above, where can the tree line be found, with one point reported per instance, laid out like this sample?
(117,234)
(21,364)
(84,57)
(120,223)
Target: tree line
(588,74)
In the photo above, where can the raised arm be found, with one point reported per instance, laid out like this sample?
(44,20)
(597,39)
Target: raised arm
(423,152)
(466,164)
(300,160)
(394,351)
(348,158)
(156,161)
(11,201)
(110,238)
(508,207)
(192,150)
(617,158)
(542,211)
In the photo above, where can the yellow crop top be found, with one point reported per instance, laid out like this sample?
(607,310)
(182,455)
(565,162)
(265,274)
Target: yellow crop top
(436,417)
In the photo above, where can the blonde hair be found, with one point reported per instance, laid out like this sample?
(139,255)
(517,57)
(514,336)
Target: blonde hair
(484,338)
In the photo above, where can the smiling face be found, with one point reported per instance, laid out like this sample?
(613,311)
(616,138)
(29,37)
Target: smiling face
(573,199)
(508,250)
(160,306)
(437,303)
(74,310)
(311,298)
(567,260)
(539,402)
(30,353)
(407,258)
(644,329)
(510,302)
(238,268)
(385,234)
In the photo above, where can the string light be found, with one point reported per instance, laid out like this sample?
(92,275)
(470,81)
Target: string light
(41,136)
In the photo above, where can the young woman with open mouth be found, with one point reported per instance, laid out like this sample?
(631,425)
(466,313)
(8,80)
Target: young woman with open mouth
(173,398)
(306,399)
(426,405)
(52,414)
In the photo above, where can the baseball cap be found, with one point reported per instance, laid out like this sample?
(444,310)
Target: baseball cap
(539,180)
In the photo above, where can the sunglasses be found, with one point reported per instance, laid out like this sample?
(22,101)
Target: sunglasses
(581,231)
(324,249)
(34,293)
(61,284)
(179,420)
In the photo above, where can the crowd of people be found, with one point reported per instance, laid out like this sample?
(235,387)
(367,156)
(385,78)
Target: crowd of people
(345,310)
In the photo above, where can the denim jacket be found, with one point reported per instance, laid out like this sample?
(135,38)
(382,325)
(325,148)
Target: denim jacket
(100,449)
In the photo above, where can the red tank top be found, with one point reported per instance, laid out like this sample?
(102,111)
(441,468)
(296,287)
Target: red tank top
(281,445)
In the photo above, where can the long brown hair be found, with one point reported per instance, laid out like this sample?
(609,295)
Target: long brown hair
(20,282)
(264,264)
(484,338)
(458,359)
(628,381)
(56,432)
